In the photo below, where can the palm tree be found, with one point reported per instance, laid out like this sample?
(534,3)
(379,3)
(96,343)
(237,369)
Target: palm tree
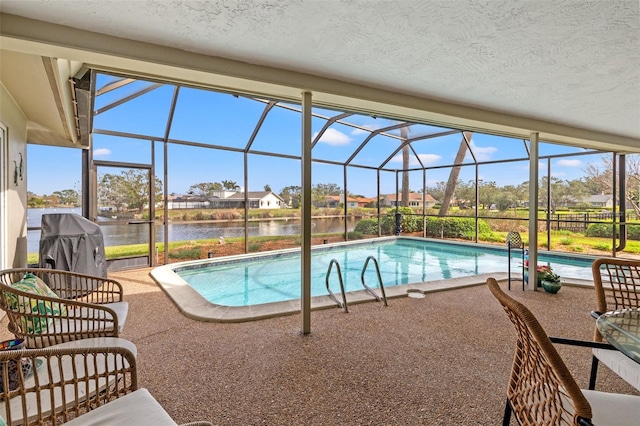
(404,133)
(453,176)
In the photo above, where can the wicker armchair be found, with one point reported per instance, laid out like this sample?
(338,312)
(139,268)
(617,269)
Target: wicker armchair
(90,381)
(541,390)
(88,307)
(617,286)
(64,381)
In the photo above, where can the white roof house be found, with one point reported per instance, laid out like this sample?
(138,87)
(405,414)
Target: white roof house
(257,200)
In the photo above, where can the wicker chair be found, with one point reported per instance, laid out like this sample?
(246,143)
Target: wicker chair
(90,381)
(64,381)
(92,307)
(617,286)
(541,390)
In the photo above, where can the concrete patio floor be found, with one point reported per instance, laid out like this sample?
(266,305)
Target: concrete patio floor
(440,360)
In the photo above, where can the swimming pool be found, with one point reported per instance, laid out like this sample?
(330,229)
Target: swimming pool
(250,280)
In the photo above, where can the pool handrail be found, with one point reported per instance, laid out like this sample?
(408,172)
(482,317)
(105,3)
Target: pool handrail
(331,295)
(369,289)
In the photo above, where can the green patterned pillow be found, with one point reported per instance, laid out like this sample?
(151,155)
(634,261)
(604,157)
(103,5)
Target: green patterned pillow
(32,284)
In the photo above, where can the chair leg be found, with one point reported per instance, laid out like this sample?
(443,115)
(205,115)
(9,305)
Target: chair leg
(594,372)
(507,414)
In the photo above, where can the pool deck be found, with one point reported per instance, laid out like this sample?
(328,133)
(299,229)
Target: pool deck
(440,360)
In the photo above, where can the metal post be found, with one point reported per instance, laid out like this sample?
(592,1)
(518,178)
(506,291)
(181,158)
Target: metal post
(533,211)
(305,231)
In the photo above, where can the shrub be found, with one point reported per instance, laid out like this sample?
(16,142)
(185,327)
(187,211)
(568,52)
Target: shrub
(185,253)
(410,222)
(458,227)
(354,235)
(602,246)
(600,230)
(603,230)
(566,241)
(633,232)
(578,249)
(367,226)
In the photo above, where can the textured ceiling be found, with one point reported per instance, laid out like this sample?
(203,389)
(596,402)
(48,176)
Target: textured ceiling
(569,62)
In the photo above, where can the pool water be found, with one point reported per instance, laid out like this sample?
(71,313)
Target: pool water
(276,278)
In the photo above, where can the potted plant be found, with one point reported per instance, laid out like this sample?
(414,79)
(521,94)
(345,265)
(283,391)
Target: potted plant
(550,281)
(543,271)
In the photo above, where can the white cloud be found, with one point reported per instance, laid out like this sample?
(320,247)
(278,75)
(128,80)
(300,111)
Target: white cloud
(570,163)
(333,137)
(482,153)
(426,159)
(101,152)
(366,126)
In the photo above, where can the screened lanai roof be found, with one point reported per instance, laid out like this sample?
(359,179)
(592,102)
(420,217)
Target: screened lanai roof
(133,109)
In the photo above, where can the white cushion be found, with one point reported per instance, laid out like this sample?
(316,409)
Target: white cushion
(610,409)
(621,364)
(136,408)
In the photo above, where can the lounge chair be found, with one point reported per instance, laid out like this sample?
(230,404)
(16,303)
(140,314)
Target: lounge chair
(541,389)
(46,306)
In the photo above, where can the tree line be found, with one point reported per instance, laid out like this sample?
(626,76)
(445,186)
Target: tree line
(130,189)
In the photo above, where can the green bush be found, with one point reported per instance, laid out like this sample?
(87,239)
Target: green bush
(355,235)
(633,232)
(603,230)
(458,227)
(367,226)
(602,246)
(566,241)
(185,253)
(599,230)
(410,222)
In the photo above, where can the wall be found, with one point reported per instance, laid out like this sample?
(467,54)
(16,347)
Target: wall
(15,237)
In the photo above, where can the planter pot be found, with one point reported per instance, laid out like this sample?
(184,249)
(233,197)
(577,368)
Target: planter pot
(551,286)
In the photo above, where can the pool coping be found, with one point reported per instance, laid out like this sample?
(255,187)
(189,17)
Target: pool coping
(193,305)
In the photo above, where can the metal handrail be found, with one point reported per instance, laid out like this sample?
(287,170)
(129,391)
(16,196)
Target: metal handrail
(331,295)
(370,290)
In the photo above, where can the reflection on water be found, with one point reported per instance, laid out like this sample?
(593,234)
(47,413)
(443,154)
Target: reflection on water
(134,234)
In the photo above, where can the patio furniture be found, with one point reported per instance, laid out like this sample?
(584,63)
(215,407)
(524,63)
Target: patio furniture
(69,306)
(541,389)
(514,242)
(622,329)
(65,380)
(617,287)
(137,408)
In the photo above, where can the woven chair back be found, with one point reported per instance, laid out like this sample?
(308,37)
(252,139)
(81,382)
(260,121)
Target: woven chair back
(541,390)
(617,285)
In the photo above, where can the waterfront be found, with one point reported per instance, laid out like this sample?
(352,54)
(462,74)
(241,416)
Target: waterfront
(123,234)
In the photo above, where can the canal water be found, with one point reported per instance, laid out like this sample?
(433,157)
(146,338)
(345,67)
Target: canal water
(126,234)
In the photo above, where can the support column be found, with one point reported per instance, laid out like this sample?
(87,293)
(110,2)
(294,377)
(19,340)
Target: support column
(533,210)
(305,229)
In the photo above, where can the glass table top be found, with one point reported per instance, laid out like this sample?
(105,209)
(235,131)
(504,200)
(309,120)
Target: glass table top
(622,330)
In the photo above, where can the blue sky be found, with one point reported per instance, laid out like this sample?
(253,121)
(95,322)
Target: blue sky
(224,120)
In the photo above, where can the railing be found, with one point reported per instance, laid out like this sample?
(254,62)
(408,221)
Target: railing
(342,304)
(369,289)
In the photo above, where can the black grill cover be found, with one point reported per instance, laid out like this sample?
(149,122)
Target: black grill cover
(69,242)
